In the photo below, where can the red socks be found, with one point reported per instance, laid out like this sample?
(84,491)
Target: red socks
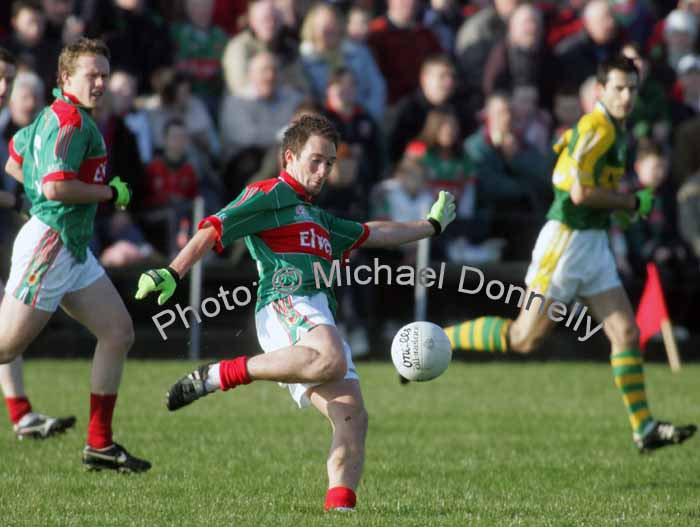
(233,373)
(100,427)
(340,497)
(17,407)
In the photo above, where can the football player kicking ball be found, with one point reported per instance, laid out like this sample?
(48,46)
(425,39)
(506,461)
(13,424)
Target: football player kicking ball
(289,236)
(572,255)
(61,159)
(26,423)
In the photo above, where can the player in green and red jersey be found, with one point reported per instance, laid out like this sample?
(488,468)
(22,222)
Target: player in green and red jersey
(61,160)
(289,237)
(26,422)
(572,256)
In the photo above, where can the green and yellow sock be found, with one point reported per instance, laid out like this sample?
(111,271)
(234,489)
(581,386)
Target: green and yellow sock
(480,334)
(629,378)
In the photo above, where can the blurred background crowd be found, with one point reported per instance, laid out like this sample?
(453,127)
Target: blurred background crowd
(468,96)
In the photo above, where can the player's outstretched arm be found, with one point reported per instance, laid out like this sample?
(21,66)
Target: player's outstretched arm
(166,279)
(393,233)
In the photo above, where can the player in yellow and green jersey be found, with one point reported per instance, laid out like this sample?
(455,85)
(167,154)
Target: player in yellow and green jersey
(572,257)
(62,161)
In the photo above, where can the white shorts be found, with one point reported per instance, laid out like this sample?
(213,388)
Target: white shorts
(568,263)
(282,323)
(43,269)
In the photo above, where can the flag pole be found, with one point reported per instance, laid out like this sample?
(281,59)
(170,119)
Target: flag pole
(670,346)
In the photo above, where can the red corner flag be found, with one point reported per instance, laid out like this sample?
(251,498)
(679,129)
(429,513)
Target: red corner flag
(652,307)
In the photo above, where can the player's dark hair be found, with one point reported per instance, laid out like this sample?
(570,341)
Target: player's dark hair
(618,62)
(298,133)
(70,54)
(7,57)
(648,148)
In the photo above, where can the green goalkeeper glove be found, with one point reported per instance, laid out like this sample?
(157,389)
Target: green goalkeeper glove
(121,193)
(443,212)
(645,201)
(164,280)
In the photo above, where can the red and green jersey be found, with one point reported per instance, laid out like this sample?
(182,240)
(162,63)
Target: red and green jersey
(286,235)
(198,53)
(62,143)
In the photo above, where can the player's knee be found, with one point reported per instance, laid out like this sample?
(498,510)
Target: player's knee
(331,367)
(121,336)
(9,351)
(628,335)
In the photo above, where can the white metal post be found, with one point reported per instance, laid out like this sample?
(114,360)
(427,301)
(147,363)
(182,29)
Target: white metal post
(196,283)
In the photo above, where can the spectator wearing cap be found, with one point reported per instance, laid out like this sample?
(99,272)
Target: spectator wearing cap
(680,34)
(578,56)
(686,96)
(686,151)
(391,35)
(324,48)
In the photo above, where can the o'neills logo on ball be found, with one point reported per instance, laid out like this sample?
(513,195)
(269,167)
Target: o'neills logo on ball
(286,280)
(409,348)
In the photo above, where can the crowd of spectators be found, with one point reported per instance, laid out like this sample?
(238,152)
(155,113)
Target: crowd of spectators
(469,96)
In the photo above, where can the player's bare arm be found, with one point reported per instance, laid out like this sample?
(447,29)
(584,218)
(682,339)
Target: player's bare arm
(601,198)
(200,244)
(74,192)
(393,233)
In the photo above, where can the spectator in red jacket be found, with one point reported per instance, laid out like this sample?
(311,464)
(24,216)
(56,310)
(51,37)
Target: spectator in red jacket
(170,178)
(400,45)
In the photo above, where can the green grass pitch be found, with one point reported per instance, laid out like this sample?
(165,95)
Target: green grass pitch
(497,444)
